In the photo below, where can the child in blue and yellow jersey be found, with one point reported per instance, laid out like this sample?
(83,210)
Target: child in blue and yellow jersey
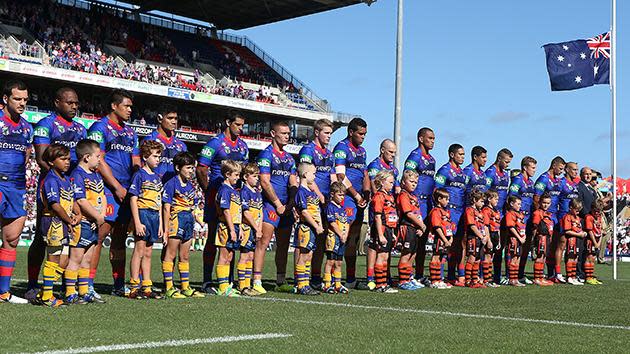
(251,199)
(339,221)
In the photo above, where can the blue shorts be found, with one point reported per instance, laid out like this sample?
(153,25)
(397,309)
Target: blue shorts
(12,202)
(304,237)
(277,221)
(54,231)
(223,239)
(248,243)
(117,212)
(85,235)
(424,203)
(151,220)
(181,226)
(353,211)
(456,214)
(334,246)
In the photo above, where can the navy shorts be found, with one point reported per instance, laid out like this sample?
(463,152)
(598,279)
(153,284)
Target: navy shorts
(117,212)
(85,235)
(223,239)
(335,249)
(181,226)
(304,237)
(11,202)
(248,243)
(270,216)
(151,220)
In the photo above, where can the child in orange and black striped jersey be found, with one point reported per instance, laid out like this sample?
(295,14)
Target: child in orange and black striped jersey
(514,228)
(492,219)
(411,229)
(571,228)
(442,227)
(593,225)
(476,236)
(383,223)
(542,229)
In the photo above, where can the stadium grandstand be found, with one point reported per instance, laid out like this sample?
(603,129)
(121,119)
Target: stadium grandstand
(96,46)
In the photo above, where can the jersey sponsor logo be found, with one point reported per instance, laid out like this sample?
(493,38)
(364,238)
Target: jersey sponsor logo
(411,165)
(440,179)
(9,146)
(372,172)
(323,168)
(488,181)
(515,188)
(358,166)
(340,154)
(207,152)
(457,185)
(264,163)
(306,158)
(96,136)
(121,147)
(540,186)
(281,173)
(42,132)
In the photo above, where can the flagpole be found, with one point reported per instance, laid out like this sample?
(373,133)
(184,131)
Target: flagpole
(613,126)
(398,98)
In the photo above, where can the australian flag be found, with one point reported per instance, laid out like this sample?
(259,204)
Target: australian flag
(580,63)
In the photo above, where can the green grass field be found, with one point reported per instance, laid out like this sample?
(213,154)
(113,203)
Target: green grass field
(552,319)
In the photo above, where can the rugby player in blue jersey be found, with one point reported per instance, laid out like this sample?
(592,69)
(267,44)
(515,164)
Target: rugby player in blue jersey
(568,192)
(475,178)
(120,159)
(165,135)
(522,186)
(351,169)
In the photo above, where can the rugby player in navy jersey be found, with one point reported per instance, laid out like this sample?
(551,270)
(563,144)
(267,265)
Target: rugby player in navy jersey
(165,135)
(225,146)
(278,180)
(351,169)
(16,137)
(58,127)
(316,152)
(451,177)
(421,161)
(120,159)
(522,186)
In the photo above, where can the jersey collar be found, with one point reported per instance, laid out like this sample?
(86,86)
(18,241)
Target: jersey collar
(116,126)
(455,167)
(8,119)
(164,139)
(63,121)
(323,150)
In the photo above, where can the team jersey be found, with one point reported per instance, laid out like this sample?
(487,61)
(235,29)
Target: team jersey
(89,185)
(172,146)
(338,215)
(252,202)
(568,191)
(424,164)
(474,217)
(571,222)
(492,218)
(120,144)
(542,221)
(498,181)
(547,183)
(475,180)
(15,142)
(524,188)
(514,220)
(148,188)
(593,224)
(452,178)
(408,203)
(228,198)
(57,189)
(180,195)
(379,164)
(306,199)
(56,129)
(440,218)
(217,150)
(354,159)
(279,165)
(384,205)
(322,159)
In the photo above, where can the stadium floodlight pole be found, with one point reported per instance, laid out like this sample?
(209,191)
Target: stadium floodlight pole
(613,125)
(398,99)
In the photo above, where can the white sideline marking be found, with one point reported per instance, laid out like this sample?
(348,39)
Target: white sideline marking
(444,313)
(168,343)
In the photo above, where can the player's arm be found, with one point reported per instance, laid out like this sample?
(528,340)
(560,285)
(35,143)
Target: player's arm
(270,193)
(293,188)
(366,186)
(39,157)
(439,231)
(337,230)
(90,212)
(136,164)
(311,221)
(76,213)
(470,222)
(514,232)
(166,220)
(202,176)
(416,220)
(340,170)
(229,223)
(135,214)
(56,207)
(539,189)
(108,176)
(320,195)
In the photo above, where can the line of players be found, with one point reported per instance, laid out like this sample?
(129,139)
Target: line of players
(278,181)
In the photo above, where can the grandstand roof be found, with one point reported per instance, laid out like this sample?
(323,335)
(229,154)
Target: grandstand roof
(239,14)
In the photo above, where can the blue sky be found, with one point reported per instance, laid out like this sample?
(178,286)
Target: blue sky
(473,71)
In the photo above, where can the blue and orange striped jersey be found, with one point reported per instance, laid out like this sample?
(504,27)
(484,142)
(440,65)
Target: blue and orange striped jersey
(306,199)
(148,188)
(56,189)
(181,196)
(89,185)
(251,200)
(229,198)
(15,141)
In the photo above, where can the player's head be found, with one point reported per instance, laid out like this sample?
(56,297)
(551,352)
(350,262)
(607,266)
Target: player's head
(441,197)
(597,207)
(388,150)
(88,153)
(14,97)
(323,129)
(410,180)
(557,165)
(479,155)
(184,163)
(456,154)
(167,117)
(426,138)
(477,198)
(251,174)
(66,102)
(306,172)
(57,156)
(571,170)
(337,192)
(231,171)
(151,151)
(504,157)
(545,201)
(575,205)
(528,166)
(234,123)
(120,102)
(492,198)
(384,181)
(586,174)
(280,133)
(514,202)
(357,128)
